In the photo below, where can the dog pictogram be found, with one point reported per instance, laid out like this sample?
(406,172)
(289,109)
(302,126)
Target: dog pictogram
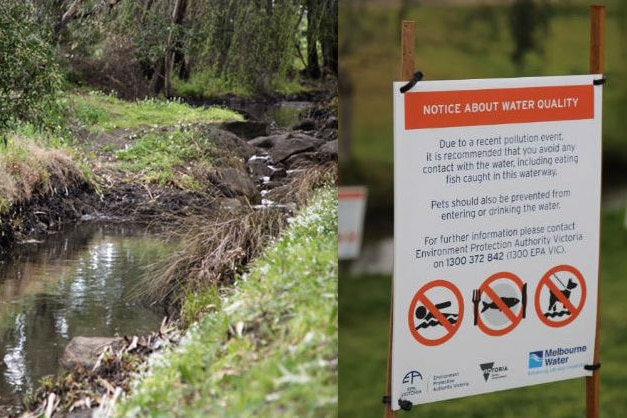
(560,296)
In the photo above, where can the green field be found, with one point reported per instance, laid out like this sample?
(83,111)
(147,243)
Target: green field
(364,316)
(463,42)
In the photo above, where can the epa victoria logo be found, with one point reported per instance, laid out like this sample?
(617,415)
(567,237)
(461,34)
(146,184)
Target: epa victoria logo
(413,384)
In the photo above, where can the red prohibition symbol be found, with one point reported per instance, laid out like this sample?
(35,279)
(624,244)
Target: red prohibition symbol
(563,284)
(425,312)
(508,318)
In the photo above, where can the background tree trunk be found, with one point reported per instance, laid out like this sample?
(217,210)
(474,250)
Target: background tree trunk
(313,21)
(174,47)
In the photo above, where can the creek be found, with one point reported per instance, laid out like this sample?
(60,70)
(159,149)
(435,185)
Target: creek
(75,283)
(283,114)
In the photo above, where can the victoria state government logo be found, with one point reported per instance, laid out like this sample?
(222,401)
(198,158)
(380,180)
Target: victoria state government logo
(413,382)
(490,371)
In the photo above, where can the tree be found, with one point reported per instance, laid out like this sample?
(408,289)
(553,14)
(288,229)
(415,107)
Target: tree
(529,20)
(321,32)
(29,75)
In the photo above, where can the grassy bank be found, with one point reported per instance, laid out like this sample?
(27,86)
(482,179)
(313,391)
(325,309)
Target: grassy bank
(99,112)
(364,316)
(155,141)
(268,346)
(29,168)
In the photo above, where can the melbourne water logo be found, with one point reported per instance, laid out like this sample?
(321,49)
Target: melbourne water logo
(554,356)
(535,359)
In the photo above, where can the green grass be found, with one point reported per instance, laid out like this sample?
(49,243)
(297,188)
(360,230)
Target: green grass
(205,85)
(162,157)
(463,42)
(269,346)
(99,112)
(364,320)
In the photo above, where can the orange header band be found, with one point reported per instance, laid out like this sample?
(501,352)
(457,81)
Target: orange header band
(346,195)
(442,109)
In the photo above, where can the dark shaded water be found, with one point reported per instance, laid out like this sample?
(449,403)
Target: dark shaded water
(283,114)
(75,283)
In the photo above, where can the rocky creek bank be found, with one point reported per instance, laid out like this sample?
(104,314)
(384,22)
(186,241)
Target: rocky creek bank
(257,168)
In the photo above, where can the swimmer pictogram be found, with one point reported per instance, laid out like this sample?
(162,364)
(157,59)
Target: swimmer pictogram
(435,313)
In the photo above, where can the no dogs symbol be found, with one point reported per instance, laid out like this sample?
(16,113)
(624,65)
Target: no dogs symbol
(435,313)
(560,296)
(500,304)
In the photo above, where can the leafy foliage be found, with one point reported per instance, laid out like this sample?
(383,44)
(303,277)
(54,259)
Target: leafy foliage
(29,75)
(247,45)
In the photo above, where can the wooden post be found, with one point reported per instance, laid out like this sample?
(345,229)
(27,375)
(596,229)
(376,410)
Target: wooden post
(597,39)
(597,66)
(408,39)
(387,409)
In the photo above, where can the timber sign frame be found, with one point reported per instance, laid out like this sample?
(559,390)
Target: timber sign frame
(497,232)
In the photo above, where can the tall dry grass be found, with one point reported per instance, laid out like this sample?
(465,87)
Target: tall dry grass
(28,170)
(215,248)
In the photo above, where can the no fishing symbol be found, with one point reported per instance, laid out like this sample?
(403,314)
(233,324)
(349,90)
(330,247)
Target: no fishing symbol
(435,313)
(500,304)
(560,296)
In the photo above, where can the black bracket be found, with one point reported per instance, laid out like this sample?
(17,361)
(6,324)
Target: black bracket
(592,367)
(405,405)
(599,81)
(411,83)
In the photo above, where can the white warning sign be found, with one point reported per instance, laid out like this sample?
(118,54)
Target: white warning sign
(497,206)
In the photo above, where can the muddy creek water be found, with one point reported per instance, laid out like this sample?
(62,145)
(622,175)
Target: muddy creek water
(76,283)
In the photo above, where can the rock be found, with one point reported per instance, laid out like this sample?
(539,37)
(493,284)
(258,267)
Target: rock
(273,184)
(247,129)
(233,182)
(328,134)
(258,168)
(331,123)
(230,203)
(84,351)
(230,142)
(277,173)
(305,125)
(298,143)
(304,159)
(267,141)
(328,151)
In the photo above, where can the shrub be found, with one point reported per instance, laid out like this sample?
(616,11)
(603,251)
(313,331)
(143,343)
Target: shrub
(29,76)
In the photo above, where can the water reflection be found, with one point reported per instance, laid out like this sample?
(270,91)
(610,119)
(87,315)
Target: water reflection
(283,114)
(76,283)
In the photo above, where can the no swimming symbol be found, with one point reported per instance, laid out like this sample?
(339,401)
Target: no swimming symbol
(435,313)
